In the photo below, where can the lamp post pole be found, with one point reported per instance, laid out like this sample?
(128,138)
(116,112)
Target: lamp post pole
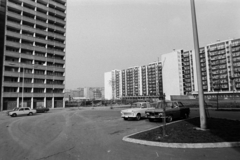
(203,120)
(23,85)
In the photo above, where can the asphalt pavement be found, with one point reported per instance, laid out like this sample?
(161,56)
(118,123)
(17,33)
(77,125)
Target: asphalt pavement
(93,133)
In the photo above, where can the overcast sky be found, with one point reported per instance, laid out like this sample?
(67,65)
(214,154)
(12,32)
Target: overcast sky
(103,35)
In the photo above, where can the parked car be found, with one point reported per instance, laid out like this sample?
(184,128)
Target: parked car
(173,110)
(42,109)
(21,111)
(136,111)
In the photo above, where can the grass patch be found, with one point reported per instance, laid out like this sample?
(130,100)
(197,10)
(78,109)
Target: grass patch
(220,130)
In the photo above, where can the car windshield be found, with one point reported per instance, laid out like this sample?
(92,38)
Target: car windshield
(167,105)
(15,109)
(159,105)
(135,105)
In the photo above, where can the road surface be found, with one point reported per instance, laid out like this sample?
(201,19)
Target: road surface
(90,134)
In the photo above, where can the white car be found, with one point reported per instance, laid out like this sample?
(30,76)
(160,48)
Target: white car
(136,111)
(21,111)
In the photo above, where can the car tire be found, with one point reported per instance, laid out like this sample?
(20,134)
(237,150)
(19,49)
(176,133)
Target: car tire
(30,114)
(14,115)
(125,118)
(138,117)
(169,118)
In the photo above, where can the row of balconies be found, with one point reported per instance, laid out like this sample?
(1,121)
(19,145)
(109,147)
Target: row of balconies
(37,20)
(217,62)
(40,29)
(237,64)
(236,54)
(185,60)
(32,85)
(47,6)
(220,86)
(219,67)
(33,76)
(35,30)
(34,66)
(215,53)
(28,59)
(186,54)
(217,47)
(42,13)
(15,56)
(223,76)
(216,82)
(236,49)
(186,63)
(220,72)
(218,57)
(15,47)
(32,41)
(235,43)
(237,59)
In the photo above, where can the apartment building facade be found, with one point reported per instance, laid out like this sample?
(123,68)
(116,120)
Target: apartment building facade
(139,82)
(221,69)
(176,74)
(32,43)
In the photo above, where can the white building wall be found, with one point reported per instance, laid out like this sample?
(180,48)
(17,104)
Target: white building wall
(140,81)
(207,68)
(120,85)
(147,79)
(194,71)
(170,74)
(107,85)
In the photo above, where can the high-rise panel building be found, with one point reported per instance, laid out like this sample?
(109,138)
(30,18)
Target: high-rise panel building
(32,47)
(139,82)
(176,74)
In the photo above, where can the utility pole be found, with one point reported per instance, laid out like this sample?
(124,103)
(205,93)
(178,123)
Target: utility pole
(203,120)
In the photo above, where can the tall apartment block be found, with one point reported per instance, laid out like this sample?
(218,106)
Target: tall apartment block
(219,65)
(139,82)
(32,47)
(176,74)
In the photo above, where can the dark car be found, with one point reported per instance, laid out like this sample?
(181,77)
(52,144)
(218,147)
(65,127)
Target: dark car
(42,109)
(173,110)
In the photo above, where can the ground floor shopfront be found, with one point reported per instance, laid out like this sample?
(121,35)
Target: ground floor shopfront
(33,102)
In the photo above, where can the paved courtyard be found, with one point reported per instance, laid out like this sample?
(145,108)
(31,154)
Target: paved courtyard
(89,134)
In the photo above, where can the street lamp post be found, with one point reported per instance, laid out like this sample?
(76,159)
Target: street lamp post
(23,85)
(203,119)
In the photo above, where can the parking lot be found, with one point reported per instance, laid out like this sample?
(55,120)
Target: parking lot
(88,134)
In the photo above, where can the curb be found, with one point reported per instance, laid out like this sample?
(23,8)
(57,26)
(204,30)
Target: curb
(179,145)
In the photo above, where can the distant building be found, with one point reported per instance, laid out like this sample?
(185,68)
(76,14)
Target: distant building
(176,74)
(139,82)
(85,93)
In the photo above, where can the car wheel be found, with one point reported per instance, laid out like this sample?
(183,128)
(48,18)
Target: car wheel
(125,118)
(169,118)
(138,116)
(14,115)
(30,114)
